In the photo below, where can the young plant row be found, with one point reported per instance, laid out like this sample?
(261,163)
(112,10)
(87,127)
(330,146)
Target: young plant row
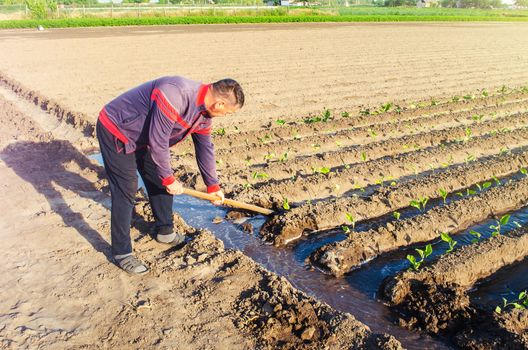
(267,143)
(285,167)
(346,178)
(359,247)
(446,281)
(280,129)
(331,213)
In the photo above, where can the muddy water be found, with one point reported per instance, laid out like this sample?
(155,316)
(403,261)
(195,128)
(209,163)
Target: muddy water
(289,262)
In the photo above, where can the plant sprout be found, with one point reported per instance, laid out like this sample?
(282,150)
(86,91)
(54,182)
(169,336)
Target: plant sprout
(322,170)
(524,171)
(475,234)
(497,181)
(259,176)
(280,121)
(345,114)
(345,229)
(521,302)
(419,203)
(247,185)
(477,117)
(396,215)
(351,219)
(220,132)
(501,222)
(363,156)
(386,107)
(423,253)
(443,194)
(285,204)
(269,156)
(449,240)
(283,157)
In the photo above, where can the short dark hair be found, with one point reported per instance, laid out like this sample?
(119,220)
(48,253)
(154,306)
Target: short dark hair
(229,89)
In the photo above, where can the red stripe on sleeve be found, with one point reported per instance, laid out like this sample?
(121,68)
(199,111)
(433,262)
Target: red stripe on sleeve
(111,127)
(168,180)
(205,131)
(166,108)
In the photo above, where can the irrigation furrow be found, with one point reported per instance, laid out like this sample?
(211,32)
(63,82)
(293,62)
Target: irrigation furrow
(339,258)
(443,285)
(342,179)
(289,226)
(301,129)
(374,150)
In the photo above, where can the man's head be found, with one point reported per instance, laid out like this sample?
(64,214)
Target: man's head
(224,97)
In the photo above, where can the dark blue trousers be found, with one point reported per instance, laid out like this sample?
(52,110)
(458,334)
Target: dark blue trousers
(121,170)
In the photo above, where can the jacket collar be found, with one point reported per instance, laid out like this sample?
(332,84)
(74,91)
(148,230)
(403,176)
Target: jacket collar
(201,94)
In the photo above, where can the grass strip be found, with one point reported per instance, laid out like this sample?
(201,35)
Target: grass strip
(134,21)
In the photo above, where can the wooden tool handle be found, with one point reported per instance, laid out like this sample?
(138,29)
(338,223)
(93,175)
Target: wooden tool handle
(229,202)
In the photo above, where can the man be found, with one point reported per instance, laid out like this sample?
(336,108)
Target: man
(135,131)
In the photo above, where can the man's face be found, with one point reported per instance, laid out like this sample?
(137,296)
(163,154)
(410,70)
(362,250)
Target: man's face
(221,108)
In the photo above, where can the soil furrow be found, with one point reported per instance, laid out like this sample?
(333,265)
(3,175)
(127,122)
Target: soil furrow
(435,297)
(343,139)
(326,214)
(353,154)
(291,130)
(341,257)
(342,179)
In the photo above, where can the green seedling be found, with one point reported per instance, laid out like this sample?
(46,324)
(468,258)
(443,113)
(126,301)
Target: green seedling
(524,171)
(470,158)
(443,194)
(280,121)
(220,132)
(470,192)
(346,229)
(372,133)
(477,117)
(475,234)
(285,204)
(363,156)
(316,146)
(322,170)
(419,203)
(269,156)
(503,221)
(396,215)
(503,89)
(259,176)
(449,240)
(351,219)
(398,109)
(265,139)
(345,114)
(434,102)
(485,185)
(521,302)
(347,166)
(248,161)
(468,97)
(516,223)
(455,98)
(485,93)
(468,134)
(247,185)
(393,183)
(283,157)
(386,107)
(339,143)
(423,253)
(365,111)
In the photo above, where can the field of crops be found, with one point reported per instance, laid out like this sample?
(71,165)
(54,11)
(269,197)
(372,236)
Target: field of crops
(442,182)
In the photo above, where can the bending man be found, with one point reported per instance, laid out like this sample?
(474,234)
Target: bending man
(135,131)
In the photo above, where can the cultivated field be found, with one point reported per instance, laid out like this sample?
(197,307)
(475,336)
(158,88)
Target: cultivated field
(370,141)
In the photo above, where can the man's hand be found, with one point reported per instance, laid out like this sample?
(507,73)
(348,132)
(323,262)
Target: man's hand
(218,194)
(175,188)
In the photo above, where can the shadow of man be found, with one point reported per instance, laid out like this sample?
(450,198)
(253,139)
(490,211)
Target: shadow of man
(45,166)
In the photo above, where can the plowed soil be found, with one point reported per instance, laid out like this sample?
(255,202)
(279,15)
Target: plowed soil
(357,119)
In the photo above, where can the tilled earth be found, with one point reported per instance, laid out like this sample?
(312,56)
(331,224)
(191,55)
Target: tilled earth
(386,151)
